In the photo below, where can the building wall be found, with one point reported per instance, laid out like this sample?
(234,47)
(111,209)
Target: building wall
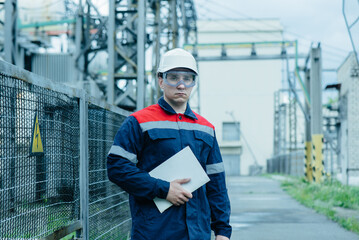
(349,114)
(231,155)
(245,88)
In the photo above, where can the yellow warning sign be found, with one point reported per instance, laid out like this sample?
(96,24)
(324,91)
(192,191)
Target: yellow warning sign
(36,147)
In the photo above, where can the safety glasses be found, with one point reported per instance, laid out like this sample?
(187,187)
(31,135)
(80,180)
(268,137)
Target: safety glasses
(176,78)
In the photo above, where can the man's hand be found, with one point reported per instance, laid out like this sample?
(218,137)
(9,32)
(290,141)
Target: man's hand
(220,237)
(177,195)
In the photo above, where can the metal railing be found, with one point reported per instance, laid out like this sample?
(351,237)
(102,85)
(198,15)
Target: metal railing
(64,188)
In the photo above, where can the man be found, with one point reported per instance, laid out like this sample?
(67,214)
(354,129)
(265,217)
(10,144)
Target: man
(149,137)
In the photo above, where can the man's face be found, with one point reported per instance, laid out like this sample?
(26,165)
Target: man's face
(176,95)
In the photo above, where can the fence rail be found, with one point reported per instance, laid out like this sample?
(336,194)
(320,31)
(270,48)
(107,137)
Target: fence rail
(65,188)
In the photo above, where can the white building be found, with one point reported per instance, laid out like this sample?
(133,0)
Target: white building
(240,91)
(348,76)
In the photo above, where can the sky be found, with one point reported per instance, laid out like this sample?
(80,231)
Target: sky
(308,21)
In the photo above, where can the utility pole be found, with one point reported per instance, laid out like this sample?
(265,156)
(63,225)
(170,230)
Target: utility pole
(174,23)
(308,137)
(79,58)
(156,91)
(316,112)
(141,34)
(110,88)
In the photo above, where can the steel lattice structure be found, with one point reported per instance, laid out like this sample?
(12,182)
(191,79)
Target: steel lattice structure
(130,32)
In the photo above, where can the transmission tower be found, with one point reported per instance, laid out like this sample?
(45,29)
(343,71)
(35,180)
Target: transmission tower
(351,17)
(132,28)
(171,19)
(129,30)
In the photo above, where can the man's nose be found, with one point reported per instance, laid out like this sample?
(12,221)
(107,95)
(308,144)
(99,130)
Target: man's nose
(181,85)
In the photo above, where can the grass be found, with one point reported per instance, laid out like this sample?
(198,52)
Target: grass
(327,198)
(70,236)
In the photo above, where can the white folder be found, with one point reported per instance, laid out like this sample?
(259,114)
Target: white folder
(183,164)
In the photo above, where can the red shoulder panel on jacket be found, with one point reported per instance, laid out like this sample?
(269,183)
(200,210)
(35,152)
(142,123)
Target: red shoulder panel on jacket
(201,120)
(155,113)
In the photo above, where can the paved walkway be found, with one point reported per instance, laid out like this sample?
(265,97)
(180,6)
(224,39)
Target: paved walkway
(261,210)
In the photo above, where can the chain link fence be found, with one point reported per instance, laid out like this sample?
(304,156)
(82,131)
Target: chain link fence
(108,204)
(291,164)
(48,185)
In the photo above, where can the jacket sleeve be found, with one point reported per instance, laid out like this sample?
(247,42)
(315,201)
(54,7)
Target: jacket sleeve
(121,164)
(217,193)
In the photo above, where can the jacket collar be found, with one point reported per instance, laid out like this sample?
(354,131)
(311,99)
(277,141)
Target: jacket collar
(165,106)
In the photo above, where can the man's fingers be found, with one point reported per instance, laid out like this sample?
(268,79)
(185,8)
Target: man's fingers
(187,194)
(184,192)
(182,181)
(183,198)
(177,194)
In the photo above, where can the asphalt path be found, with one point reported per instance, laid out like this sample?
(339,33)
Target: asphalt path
(261,210)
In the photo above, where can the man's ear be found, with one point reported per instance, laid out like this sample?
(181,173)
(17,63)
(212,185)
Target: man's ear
(160,82)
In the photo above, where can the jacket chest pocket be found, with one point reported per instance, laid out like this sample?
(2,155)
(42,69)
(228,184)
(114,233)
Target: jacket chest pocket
(162,134)
(163,143)
(203,145)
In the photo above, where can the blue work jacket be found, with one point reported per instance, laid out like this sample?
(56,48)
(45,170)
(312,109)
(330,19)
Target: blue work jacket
(145,140)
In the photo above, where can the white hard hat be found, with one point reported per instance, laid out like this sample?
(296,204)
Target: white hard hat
(177,58)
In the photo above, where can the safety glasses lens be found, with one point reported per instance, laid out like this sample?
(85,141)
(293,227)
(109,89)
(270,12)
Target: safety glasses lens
(175,78)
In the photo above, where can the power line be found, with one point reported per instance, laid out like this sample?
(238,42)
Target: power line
(40,8)
(290,32)
(311,40)
(244,23)
(331,54)
(268,24)
(274,28)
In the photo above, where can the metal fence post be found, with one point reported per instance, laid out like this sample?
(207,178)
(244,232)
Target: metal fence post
(84,167)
